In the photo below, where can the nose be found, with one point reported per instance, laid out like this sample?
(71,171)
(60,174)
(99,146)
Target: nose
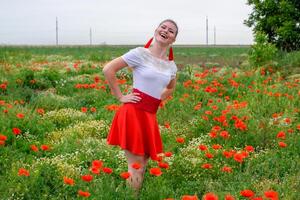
(164,31)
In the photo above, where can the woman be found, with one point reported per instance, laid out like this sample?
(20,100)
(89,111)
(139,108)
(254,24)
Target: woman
(134,127)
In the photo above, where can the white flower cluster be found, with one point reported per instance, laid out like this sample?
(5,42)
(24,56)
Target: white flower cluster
(66,163)
(61,82)
(64,117)
(191,152)
(55,58)
(82,129)
(189,159)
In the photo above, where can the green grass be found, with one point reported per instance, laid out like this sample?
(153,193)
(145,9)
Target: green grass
(76,138)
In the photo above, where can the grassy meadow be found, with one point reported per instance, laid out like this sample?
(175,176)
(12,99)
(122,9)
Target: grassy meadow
(230,131)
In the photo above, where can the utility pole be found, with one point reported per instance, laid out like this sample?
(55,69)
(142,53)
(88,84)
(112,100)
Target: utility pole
(206,30)
(215,35)
(56,31)
(90,36)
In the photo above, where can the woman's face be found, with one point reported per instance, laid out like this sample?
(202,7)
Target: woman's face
(166,33)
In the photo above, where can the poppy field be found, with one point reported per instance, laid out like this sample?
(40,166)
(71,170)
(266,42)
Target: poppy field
(230,131)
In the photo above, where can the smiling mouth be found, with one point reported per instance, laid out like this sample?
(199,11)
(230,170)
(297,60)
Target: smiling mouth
(163,35)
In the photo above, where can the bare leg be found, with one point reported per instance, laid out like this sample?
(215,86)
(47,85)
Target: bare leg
(137,175)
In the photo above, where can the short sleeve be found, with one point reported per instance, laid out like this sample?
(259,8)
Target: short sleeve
(132,57)
(173,72)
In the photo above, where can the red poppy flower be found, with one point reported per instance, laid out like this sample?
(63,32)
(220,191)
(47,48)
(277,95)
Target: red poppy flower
(3,137)
(121,81)
(167,125)
(229,197)
(125,175)
(112,107)
(20,115)
(16,131)
(210,196)
(23,172)
(287,120)
(271,194)
(239,124)
(214,107)
(93,109)
(249,148)
(213,134)
(84,109)
(97,79)
(2,143)
(281,135)
(107,170)
(227,169)
(224,134)
(206,166)
(45,147)
(290,130)
(210,89)
(163,165)
(168,154)
(239,157)
(204,117)
(216,146)
(202,147)
(84,193)
(95,170)
(69,181)
(180,140)
(282,144)
(97,163)
(159,158)
(87,178)
(189,197)
(227,154)
(136,165)
(34,148)
(247,193)
(198,106)
(155,171)
(208,112)
(209,155)
(40,111)
(245,154)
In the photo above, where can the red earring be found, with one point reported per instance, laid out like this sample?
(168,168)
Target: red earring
(171,56)
(148,43)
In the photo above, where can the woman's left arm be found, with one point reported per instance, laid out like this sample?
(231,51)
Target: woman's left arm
(168,91)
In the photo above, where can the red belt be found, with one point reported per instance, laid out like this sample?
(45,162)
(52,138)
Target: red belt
(147,102)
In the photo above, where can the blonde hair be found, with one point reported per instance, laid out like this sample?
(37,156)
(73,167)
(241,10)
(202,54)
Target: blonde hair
(173,22)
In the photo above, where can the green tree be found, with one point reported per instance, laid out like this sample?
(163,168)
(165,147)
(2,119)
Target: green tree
(262,52)
(279,20)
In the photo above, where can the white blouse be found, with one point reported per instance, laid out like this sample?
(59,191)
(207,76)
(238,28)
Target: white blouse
(150,74)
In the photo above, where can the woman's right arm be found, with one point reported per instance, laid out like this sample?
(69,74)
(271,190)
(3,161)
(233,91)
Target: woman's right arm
(109,71)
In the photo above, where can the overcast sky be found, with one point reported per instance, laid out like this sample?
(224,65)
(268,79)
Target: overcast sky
(121,21)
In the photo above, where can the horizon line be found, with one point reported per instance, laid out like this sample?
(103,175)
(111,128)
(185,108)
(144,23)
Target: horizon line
(121,45)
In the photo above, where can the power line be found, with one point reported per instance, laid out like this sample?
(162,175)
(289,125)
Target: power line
(56,31)
(90,36)
(215,35)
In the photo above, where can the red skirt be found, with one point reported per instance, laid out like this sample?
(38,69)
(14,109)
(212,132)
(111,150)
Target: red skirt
(136,130)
